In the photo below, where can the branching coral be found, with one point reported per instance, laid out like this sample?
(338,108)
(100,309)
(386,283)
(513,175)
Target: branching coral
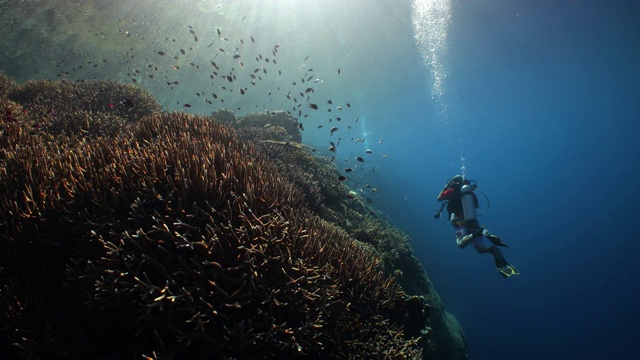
(6,85)
(176,238)
(62,98)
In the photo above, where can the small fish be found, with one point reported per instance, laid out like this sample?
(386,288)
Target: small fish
(308,90)
(161,53)
(186,105)
(305,59)
(329,101)
(348,105)
(236,56)
(182,51)
(359,158)
(314,107)
(218,32)
(252,39)
(368,151)
(338,71)
(342,178)
(333,129)
(348,170)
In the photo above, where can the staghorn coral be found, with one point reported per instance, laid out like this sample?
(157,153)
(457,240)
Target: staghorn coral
(317,181)
(92,96)
(175,238)
(86,108)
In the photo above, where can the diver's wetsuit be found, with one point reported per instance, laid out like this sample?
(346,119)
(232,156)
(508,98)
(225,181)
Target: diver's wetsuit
(452,194)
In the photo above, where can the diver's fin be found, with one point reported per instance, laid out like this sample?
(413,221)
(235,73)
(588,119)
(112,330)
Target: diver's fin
(504,268)
(507,270)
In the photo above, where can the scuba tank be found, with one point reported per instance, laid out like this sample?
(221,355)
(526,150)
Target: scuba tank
(468,203)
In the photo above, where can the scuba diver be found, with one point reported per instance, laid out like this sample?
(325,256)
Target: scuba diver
(461,202)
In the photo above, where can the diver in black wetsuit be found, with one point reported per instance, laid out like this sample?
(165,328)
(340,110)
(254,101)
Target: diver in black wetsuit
(461,203)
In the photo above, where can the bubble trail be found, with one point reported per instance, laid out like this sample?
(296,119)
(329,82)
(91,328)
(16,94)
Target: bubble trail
(431,19)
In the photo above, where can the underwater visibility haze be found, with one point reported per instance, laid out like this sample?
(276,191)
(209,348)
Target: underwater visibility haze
(537,101)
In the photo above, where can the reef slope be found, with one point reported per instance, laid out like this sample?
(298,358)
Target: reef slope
(178,236)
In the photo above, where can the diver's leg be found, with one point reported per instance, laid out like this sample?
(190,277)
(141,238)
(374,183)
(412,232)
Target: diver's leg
(480,246)
(461,233)
(463,236)
(471,236)
(494,239)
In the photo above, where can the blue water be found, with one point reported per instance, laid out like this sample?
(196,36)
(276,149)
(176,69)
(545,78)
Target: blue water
(543,104)
(538,101)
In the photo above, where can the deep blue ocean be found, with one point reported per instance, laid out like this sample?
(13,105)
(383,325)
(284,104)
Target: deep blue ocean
(542,103)
(536,100)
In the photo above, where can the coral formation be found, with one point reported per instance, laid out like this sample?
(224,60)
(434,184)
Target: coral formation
(84,108)
(6,85)
(174,237)
(316,178)
(273,125)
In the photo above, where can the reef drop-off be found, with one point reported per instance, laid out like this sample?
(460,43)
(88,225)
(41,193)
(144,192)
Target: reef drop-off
(127,232)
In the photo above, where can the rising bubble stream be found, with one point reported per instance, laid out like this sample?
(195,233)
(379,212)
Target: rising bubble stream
(431,20)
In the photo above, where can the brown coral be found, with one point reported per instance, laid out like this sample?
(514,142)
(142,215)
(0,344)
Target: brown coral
(176,238)
(84,107)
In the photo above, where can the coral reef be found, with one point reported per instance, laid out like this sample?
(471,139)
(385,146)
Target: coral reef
(174,237)
(85,108)
(316,178)
(273,125)
(6,85)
